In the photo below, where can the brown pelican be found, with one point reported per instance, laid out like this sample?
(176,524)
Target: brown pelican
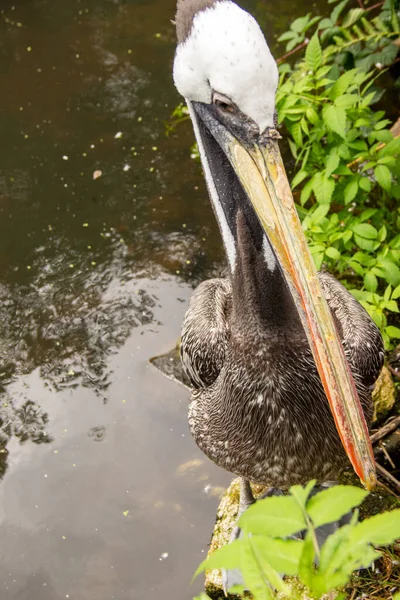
(267,349)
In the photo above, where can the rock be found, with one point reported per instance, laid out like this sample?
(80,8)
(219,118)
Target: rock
(384,394)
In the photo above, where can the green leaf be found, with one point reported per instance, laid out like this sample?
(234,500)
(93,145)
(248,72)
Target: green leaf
(339,558)
(370,282)
(333,253)
(278,516)
(332,162)
(320,213)
(382,529)
(341,85)
(301,493)
(323,187)
(391,305)
(352,16)
(365,184)
(306,564)
(350,191)
(393,332)
(364,243)
(311,115)
(254,578)
(331,504)
(335,119)
(383,177)
(388,270)
(392,148)
(366,231)
(313,53)
(282,555)
(226,557)
(396,293)
(298,178)
(306,191)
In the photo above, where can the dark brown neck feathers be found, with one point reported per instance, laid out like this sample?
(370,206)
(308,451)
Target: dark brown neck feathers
(185,13)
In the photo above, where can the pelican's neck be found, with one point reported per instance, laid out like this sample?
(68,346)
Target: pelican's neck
(261,298)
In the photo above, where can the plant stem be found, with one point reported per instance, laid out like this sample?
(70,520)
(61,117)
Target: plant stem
(297,49)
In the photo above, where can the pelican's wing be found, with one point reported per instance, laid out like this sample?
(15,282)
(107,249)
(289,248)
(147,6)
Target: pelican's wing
(205,331)
(360,336)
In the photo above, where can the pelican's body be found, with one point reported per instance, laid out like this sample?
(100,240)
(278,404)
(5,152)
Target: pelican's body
(265,350)
(259,409)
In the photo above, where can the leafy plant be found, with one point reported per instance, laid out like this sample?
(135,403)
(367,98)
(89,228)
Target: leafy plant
(279,538)
(347,179)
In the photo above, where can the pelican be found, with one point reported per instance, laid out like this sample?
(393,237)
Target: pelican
(282,360)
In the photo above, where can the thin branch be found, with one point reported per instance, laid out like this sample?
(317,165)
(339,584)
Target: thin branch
(385,487)
(360,4)
(387,455)
(393,371)
(388,476)
(377,5)
(297,49)
(385,430)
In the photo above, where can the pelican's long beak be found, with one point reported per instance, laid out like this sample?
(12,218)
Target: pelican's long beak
(259,168)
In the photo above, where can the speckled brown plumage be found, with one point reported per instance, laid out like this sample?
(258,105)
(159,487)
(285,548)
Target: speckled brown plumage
(259,409)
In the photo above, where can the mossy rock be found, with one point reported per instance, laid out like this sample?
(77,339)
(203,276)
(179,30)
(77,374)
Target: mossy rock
(384,394)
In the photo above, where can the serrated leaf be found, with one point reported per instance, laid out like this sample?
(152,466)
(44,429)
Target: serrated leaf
(383,177)
(382,529)
(390,271)
(323,187)
(333,253)
(319,213)
(364,243)
(365,184)
(298,178)
(311,115)
(335,119)
(388,293)
(370,282)
(365,230)
(332,162)
(393,332)
(392,148)
(352,16)
(277,516)
(396,293)
(306,564)
(306,191)
(313,53)
(282,555)
(342,84)
(254,579)
(391,305)
(301,493)
(350,191)
(331,504)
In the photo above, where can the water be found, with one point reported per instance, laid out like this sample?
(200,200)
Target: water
(104,494)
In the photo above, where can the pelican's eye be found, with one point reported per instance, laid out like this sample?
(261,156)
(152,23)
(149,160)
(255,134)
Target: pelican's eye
(223,102)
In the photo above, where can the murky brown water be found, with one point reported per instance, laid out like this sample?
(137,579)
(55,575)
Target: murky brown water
(103,494)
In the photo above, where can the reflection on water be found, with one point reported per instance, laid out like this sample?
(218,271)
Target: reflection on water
(105,225)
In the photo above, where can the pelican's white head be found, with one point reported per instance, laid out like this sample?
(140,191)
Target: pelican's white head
(222,49)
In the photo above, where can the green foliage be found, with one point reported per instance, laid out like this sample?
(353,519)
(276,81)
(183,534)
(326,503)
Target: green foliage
(347,182)
(265,551)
